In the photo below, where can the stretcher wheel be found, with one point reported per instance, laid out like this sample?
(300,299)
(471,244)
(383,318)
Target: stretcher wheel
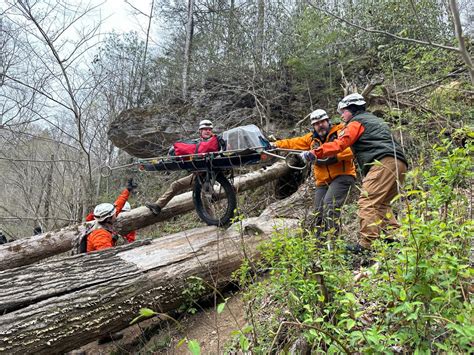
(214,198)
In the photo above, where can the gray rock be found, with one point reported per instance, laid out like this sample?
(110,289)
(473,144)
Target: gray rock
(150,131)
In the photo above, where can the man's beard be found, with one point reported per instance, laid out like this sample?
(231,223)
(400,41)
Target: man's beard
(322,132)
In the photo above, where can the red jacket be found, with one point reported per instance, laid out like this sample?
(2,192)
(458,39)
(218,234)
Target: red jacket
(131,236)
(346,137)
(102,238)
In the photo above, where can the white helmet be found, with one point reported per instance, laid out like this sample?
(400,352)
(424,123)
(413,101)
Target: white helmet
(318,115)
(205,124)
(103,211)
(352,99)
(126,207)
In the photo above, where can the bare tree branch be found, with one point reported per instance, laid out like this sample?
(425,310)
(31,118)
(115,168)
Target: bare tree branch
(437,81)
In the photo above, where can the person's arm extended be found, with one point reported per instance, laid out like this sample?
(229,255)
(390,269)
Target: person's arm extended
(347,137)
(297,143)
(120,201)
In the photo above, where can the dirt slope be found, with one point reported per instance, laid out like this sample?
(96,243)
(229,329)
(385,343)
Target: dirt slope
(210,329)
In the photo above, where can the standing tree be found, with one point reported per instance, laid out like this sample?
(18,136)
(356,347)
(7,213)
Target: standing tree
(187,46)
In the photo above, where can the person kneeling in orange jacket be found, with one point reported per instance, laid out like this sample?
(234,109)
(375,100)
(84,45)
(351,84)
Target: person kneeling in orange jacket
(104,235)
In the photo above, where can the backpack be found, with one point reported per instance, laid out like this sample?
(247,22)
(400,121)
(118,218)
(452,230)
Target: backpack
(79,245)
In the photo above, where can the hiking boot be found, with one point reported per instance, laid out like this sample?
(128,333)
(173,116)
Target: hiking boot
(153,207)
(110,337)
(389,241)
(357,249)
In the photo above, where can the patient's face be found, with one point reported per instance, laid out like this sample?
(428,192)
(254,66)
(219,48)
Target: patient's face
(205,133)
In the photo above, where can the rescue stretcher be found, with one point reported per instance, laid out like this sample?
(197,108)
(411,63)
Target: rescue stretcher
(224,160)
(214,195)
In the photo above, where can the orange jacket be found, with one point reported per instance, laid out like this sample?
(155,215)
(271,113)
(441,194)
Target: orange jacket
(323,173)
(102,238)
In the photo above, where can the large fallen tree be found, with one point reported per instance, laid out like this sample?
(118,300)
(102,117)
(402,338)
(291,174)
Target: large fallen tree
(60,305)
(28,250)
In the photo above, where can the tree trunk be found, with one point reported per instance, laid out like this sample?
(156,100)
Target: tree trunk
(31,249)
(60,305)
(187,47)
(260,36)
(463,51)
(47,201)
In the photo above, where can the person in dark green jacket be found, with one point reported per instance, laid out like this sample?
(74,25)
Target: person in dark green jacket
(381,159)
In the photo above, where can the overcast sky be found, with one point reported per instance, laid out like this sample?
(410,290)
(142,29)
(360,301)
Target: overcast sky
(118,15)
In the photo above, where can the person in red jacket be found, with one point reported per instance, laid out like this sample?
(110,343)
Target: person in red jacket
(130,237)
(104,235)
(208,142)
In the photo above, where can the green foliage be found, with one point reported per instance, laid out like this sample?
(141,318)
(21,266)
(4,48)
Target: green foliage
(144,314)
(414,299)
(194,347)
(195,288)
(241,340)
(221,306)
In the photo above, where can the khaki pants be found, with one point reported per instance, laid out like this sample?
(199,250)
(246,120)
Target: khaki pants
(175,188)
(379,187)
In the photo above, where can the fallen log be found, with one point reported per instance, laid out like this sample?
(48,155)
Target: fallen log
(60,305)
(28,250)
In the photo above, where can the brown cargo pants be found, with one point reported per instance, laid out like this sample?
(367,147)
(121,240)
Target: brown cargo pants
(379,187)
(175,188)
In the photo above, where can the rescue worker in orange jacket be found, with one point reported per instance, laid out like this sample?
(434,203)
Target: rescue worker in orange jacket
(333,176)
(130,237)
(104,235)
(382,162)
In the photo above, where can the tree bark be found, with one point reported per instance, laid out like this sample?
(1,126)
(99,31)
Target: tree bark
(48,197)
(260,36)
(465,55)
(58,306)
(187,47)
(28,250)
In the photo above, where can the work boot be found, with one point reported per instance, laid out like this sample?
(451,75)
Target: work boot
(153,207)
(362,256)
(356,249)
(110,337)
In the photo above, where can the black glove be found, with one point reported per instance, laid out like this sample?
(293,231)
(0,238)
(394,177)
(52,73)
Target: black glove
(131,185)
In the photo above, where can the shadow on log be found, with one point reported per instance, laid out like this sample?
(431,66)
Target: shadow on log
(58,306)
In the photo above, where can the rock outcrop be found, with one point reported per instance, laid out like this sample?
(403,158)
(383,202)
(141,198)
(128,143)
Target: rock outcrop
(149,132)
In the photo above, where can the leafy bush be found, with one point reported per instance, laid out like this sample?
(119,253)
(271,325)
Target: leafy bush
(415,298)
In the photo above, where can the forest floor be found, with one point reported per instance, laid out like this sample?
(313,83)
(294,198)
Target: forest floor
(210,329)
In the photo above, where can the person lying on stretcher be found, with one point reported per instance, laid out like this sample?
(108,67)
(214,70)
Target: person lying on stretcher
(207,142)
